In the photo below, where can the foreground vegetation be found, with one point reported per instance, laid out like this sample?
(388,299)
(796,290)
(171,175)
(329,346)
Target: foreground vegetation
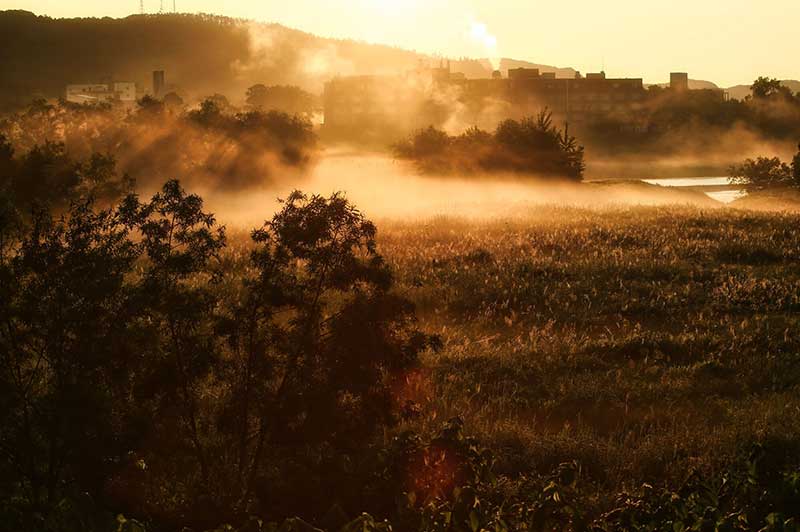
(624,369)
(644,343)
(641,338)
(143,368)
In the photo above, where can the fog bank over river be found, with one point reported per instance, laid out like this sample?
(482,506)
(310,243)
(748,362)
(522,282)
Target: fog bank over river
(383,187)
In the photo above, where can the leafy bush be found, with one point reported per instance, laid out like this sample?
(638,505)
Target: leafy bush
(531,146)
(137,371)
(751,495)
(766,173)
(48,176)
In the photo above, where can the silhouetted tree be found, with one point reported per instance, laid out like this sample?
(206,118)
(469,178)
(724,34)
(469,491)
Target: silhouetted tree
(7,162)
(320,347)
(48,176)
(40,106)
(181,242)
(99,179)
(764,87)
(137,372)
(763,173)
(277,127)
(150,108)
(63,341)
(696,120)
(209,114)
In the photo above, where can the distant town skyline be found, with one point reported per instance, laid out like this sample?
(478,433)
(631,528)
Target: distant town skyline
(727,42)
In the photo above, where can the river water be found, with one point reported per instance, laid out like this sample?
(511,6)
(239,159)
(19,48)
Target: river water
(715,185)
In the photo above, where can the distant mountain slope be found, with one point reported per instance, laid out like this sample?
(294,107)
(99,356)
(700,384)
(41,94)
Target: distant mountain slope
(483,68)
(202,54)
(694,84)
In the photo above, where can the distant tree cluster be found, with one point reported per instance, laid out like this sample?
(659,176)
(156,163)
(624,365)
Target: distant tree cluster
(765,173)
(291,136)
(697,120)
(48,176)
(764,88)
(213,144)
(530,146)
(141,370)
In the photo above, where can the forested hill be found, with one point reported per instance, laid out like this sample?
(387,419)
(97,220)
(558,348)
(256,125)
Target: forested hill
(202,54)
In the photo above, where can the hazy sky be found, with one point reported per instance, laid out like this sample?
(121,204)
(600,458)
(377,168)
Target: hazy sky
(725,41)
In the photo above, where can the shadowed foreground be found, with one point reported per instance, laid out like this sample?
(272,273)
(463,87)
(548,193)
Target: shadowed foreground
(624,368)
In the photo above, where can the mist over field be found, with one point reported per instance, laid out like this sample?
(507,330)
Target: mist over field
(386,188)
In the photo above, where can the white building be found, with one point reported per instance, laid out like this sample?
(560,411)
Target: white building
(102,92)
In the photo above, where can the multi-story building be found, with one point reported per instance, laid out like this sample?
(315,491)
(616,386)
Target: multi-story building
(415,99)
(575,100)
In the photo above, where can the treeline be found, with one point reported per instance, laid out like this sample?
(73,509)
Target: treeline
(214,145)
(528,146)
(700,121)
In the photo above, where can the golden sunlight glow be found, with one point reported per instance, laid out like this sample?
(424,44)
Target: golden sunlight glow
(481,34)
(394,7)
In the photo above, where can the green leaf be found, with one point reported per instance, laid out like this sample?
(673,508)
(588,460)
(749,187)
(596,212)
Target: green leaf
(474,521)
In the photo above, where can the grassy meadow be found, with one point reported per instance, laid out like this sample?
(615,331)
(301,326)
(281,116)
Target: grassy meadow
(644,342)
